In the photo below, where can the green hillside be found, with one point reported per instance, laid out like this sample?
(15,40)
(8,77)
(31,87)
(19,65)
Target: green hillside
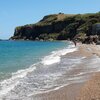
(59,27)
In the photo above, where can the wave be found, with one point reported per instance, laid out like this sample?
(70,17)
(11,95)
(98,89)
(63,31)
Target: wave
(55,56)
(9,84)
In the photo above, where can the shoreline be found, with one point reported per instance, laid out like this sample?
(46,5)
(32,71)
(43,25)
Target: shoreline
(72,91)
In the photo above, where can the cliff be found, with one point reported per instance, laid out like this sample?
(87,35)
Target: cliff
(59,27)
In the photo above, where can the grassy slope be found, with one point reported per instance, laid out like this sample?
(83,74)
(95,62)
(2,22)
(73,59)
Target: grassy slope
(69,25)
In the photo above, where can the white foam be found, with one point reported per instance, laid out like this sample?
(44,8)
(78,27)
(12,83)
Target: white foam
(50,90)
(10,84)
(55,56)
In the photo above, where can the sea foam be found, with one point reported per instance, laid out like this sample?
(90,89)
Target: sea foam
(55,56)
(8,85)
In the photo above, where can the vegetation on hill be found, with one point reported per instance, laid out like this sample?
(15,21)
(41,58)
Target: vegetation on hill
(60,27)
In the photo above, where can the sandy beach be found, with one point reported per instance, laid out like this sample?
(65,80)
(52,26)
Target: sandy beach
(49,50)
(91,89)
(88,90)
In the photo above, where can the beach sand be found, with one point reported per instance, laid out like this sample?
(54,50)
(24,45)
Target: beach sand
(89,90)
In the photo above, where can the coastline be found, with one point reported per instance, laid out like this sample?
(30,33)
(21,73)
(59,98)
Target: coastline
(74,91)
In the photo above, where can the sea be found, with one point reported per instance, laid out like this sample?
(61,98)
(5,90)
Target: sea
(28,68)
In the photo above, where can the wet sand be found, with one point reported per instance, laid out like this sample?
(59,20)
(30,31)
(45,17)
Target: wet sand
(68,92)
(89,90)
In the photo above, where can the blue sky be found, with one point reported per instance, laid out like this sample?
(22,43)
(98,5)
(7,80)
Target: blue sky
(20,12)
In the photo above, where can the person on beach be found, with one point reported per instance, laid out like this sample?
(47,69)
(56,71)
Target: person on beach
(74,42)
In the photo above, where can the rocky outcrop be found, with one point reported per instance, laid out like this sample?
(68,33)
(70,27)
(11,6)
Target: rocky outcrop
(96,29)
(59,27)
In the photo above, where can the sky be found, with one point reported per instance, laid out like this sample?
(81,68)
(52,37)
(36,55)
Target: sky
(20,12)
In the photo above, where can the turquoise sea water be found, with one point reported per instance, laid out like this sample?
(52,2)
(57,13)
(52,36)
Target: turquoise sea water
(28,68)
(16,55)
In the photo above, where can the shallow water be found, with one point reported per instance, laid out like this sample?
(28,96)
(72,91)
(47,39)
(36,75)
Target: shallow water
(15,55)
(25,66)
(45,68)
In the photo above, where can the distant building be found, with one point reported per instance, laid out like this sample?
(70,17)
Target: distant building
(61,13)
